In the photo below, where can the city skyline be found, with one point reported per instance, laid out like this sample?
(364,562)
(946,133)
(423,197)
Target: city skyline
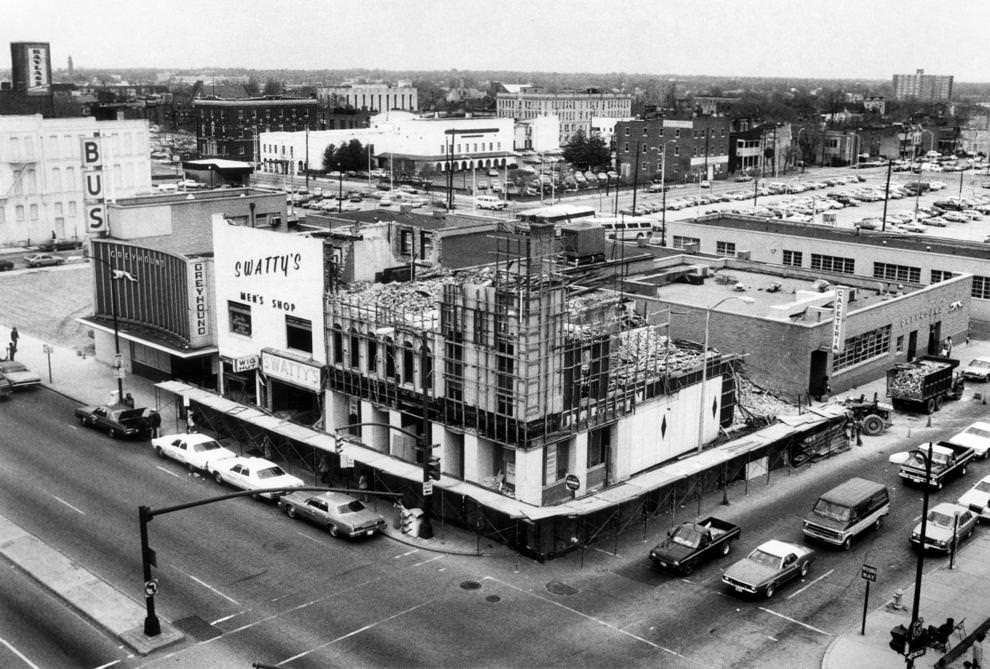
(769,38)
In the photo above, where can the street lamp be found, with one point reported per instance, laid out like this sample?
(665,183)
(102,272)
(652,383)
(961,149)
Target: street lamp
(912,630)
(115,276)
(663,190)
(704,363)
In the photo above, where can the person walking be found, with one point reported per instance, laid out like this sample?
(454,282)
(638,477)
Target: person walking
(977,661)
(948,346)
(12,347)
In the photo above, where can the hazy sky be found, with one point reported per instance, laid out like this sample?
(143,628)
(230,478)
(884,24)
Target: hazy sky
(826,38)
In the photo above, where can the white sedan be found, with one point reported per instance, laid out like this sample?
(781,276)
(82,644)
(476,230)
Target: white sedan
(195,451)
(977,499)
(255,474)
(977,437)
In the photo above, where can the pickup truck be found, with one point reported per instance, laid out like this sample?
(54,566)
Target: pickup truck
(119,420)
(947,460)
(689,543)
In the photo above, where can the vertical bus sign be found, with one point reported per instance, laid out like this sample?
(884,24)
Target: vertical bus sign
(93,195)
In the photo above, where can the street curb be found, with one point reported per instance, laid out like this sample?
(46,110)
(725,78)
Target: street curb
(417,544)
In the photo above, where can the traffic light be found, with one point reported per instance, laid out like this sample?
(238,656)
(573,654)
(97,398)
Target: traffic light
(898,639)
(433,468)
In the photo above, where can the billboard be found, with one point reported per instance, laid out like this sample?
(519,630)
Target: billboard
(94,198)
(32,67)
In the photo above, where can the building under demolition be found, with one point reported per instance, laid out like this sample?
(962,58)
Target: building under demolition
(518,381)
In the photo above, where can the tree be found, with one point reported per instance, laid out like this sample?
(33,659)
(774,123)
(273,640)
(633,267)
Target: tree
(272,87)
(329,162)
(584,153)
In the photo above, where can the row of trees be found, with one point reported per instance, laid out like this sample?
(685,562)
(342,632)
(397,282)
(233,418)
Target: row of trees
(352,156)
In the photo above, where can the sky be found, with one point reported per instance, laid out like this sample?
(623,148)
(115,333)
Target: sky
(835,39)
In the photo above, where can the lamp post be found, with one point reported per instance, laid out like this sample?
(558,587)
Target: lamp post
(115,276)
(927,457)
(704,364)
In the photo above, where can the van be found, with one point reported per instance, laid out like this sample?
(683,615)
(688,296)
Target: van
(489,202)
(846,511)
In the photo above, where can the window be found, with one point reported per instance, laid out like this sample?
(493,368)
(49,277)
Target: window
(644,131)
(643,149)
(372,356)
(627,132)
(19,213)
(725,248)
(298,334)
(677,151)
(836,264)
(685,242)
(869,345)
(240,318)
(625,147)
(354,350)
(408,359)
(896,272)
(940,275)
(981,287)
(899,344)
(793,258)
(338,345)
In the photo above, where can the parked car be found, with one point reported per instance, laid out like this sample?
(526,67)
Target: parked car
(977,499)
(690,543)
(49,245)
(16,375)
(43,259)
(255,474)
(977,370)
(119,420)
(955,217)
(6,265)
(977,437)
(196,451)
(947,521)
(341,514)
(769,566)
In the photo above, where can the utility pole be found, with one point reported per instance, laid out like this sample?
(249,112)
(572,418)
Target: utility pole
(636,175)
(886,197)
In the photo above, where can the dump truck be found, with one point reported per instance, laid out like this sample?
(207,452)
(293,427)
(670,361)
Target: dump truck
(924,384)
(948,460)
(689,543)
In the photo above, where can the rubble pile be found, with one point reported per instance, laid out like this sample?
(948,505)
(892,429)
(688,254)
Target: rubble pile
(909,380)
(756,402)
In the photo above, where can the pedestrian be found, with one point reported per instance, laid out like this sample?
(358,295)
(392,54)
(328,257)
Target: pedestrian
(967,339)
(14,336)
(11,350)
(977,662)
(54,236)
(948,345)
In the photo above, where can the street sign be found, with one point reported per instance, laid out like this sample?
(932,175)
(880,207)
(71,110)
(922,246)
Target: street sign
(869,573)
(428,487)
(572,482)
(150,587)
(119,373)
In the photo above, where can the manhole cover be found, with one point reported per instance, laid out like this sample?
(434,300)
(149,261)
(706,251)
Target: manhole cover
(197,628)
(470,585)
(558,588)
(493,598)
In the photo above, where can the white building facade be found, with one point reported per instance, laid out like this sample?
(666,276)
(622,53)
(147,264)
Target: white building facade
(413,141)
(42,178)
(373,97)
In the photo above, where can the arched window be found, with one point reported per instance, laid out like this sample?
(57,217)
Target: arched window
(337,345)
(389,359)
(426,370)
(355,349)
(372,355)
(408,363)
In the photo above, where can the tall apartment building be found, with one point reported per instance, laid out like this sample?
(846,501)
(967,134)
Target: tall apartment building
(230,128)
(923,86)
(42,172)
(575,109)
(372,97)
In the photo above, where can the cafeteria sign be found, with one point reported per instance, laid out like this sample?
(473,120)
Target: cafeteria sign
(839,319)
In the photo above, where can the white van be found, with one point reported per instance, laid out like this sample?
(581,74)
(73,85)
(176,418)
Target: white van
(489,202)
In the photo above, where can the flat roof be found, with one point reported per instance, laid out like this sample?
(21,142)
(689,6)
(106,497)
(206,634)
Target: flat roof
(766,289)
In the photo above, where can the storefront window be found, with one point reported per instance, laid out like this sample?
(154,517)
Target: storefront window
(240,318)
(299,334)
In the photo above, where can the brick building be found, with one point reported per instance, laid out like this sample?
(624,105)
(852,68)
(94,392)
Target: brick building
(692,149)
(230,128)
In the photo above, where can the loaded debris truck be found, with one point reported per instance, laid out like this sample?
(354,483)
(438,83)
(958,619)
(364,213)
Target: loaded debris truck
(689,543)
(923,384)
(947,460)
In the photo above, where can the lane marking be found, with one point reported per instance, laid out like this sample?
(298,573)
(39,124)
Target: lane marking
(310,537)
(19,654)
(798,592)
(796,622)
(214,590)
(420,564)
(402,555)
(223,620)
(585,615)
(108,664)
(74,508)
(356,632)
(169,472)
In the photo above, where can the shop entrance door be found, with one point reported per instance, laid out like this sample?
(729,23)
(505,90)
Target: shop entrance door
(818,373)
(912,348)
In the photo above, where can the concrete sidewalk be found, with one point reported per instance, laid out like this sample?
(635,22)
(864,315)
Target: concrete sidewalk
(962,593)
